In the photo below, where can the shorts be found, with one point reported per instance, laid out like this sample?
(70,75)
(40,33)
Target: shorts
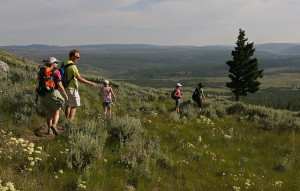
(177,102)
(74,98)
(52,100)
(200,103)
(105,104)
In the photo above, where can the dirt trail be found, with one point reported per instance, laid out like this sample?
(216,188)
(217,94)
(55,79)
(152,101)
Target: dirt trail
(42,134)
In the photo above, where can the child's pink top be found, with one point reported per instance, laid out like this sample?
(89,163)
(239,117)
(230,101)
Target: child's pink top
(178,92)
(106,94)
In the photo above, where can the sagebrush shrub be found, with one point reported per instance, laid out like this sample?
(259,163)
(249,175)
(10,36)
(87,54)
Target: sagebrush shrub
(174,117)
(86,142)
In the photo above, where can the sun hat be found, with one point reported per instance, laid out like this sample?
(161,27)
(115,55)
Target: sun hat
(106,82)
(178,85)
(53,60)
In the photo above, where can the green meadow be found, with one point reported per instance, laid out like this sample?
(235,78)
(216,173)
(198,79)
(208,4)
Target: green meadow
(247,145)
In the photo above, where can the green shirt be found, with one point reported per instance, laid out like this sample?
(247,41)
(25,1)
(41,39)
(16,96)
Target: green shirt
(73,74)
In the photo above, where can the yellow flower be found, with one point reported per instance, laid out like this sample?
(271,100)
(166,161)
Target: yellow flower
(61,171)
(40,148)
(32,163)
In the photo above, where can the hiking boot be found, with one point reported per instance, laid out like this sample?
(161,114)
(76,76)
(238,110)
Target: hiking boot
(50,132)
(54,130)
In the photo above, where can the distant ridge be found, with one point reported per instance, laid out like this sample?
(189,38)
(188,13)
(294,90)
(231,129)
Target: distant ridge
(275,48)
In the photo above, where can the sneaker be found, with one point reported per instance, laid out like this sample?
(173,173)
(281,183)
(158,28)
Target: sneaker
(54,130)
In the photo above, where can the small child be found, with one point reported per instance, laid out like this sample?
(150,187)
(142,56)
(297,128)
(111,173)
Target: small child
(106,93)
(178,96)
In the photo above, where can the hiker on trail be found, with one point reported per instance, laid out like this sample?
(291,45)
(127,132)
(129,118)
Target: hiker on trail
(198,96)
(51,99)
(106,93)
(177,95)
(73,77)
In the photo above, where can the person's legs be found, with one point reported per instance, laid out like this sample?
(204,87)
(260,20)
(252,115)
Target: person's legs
(109,110)
(105,110)
(49,120)
(177,109)
(49,117)
(72,113)
(201,104)
(177,105)
(67,112)
(55,117)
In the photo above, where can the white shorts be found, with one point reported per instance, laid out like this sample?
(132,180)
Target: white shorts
(74,98)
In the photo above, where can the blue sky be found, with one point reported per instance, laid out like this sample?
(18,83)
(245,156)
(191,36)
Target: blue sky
(157,22)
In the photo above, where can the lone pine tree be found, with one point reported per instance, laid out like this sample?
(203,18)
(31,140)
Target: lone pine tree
(243,70)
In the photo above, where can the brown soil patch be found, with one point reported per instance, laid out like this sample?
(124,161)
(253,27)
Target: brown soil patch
(41,134)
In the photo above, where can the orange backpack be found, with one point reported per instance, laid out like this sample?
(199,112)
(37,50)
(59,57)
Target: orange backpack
(46,81)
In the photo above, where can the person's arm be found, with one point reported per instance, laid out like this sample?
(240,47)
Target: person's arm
(203,95)
(115,99)
(62,90)
(81,79)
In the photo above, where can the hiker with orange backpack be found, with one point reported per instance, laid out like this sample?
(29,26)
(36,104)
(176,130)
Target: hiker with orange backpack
(50,97)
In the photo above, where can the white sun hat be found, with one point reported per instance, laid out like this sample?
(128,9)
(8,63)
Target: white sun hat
(178,85)
(53,60)
(106,82)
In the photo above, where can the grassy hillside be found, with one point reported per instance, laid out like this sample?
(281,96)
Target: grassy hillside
(146,146)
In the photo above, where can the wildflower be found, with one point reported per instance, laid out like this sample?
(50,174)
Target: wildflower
(105,160)
(227,136)
(61,171)
(9,157)
(199,139)
(40,148)
(82,186)
(235,188)
(278,183)
(247,183)
(13,139)
(30,158)
(56,176)
(31,145)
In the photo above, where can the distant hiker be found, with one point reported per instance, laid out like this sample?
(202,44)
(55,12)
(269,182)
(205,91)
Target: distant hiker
(51,99)
(198,96)
(176,95)
(73,77)
(106,93)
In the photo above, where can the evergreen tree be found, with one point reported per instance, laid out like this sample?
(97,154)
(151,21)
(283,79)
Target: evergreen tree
(243,70)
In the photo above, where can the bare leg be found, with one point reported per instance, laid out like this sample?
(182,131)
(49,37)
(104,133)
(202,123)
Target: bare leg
(72,113)
(49,118)
(177,110)
(67,112)
(105,111)
(109,110)
(55,117)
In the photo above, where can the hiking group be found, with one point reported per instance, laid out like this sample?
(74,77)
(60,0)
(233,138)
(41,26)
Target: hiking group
(198,96)
(55,82)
